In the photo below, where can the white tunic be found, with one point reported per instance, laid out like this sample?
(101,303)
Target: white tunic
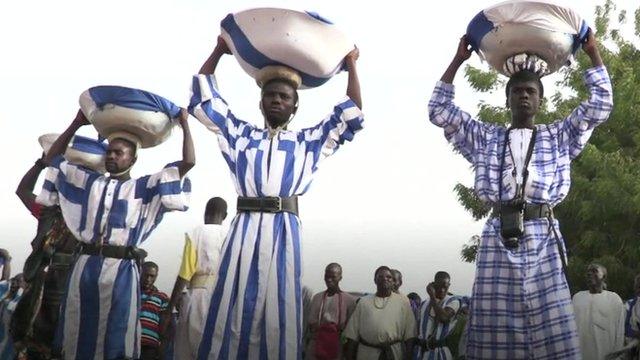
(600,321)
(202,252)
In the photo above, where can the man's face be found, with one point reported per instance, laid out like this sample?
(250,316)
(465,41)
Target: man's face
(442,287)
(397,280)
(524,98)
(278,102)
(332,277)
(149,275)
(384,280)
(594,276)
(120,156)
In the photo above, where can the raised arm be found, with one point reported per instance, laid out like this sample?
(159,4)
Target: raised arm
(590,47)
(60,145)
(462,54)
(443,314)
(353,86)
(574,130)
(188,152)
(209,66)
(28,183)
(466,134)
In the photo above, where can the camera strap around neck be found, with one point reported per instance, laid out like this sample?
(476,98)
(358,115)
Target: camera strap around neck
(525,170)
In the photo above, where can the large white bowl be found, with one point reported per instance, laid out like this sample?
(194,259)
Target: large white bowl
(303,41)
(543,28)
(81,151)
(152,126)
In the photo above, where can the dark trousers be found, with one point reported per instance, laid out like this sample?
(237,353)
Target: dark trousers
(149,353)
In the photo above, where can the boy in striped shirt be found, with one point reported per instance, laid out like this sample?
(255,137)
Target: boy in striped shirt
(153,303)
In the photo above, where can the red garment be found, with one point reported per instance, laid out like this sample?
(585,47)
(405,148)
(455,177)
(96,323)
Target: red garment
(36,210)
(153,303)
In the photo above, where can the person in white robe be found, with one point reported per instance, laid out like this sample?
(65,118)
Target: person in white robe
(382,325)
(200,261)
(599,316)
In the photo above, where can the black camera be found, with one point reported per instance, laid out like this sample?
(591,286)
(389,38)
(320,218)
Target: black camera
(511,223)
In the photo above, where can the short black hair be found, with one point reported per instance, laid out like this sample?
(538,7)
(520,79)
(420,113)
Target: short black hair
(129,143)
(524,76)
(380,268)
(285,81)
(441,275)
(215,205)
(333,265)
(150,264)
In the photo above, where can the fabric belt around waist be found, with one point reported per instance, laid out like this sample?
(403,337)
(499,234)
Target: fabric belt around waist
(269,204)
(202,280)
(386,353)
(114,251)
(531,211)
(424,344)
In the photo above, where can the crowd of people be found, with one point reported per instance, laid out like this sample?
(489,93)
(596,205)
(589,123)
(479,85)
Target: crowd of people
(88,291)
(384,324)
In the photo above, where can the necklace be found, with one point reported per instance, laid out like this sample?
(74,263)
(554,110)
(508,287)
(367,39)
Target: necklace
(385,301)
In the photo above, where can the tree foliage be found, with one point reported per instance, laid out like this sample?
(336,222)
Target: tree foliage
(600,218)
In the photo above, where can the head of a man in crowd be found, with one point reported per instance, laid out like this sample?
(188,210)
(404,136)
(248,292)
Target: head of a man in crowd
(279,102)
(332,277)
(596,276)
(397,280)
(441,283)
(17,283)
(121,156)
(383,279)
(216,211)
(525,93)
(149,275)
(415,299)
(636,285)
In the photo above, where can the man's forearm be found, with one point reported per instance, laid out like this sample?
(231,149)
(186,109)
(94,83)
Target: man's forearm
(188,151)
(441,313)
(353,86)
(178,286)
(28,183)
(60,145)
(450,74)
(210,65)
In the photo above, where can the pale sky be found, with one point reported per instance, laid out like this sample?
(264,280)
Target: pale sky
(386,198)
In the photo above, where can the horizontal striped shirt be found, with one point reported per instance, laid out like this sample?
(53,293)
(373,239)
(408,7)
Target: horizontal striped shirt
(153,303)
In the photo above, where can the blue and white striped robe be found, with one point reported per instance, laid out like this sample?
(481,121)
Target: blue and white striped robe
(100,311)
(521,306)
(256,306)
(428,326)
(631,324)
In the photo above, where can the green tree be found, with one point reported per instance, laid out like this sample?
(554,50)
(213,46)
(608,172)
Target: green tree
(600,218)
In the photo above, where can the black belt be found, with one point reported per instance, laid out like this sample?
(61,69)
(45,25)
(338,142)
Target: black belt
(270,204)
(62,259)
(114,251)
(531,211)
